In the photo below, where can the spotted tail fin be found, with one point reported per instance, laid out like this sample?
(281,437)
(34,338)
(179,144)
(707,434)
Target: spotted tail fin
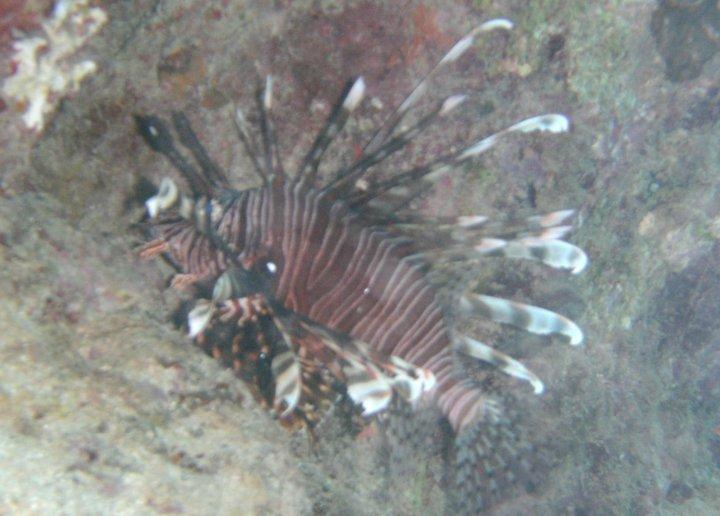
(490,457)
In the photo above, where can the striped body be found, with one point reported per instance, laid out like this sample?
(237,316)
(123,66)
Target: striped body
(355,279)
(321,282)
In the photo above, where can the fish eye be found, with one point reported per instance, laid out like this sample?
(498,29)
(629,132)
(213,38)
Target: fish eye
(271,267)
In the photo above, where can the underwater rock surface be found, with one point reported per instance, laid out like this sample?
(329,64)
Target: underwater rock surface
(106,404)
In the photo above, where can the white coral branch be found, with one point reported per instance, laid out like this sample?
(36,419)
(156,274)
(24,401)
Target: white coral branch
(43,71)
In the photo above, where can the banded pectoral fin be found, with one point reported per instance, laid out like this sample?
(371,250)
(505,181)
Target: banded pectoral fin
(281,383)
(369,379)
(287,373)
(532,319)
(536,238)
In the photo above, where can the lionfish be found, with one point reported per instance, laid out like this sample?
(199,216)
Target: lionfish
(318,287)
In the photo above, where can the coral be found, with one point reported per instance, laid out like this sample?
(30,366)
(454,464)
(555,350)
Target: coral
(43,68)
